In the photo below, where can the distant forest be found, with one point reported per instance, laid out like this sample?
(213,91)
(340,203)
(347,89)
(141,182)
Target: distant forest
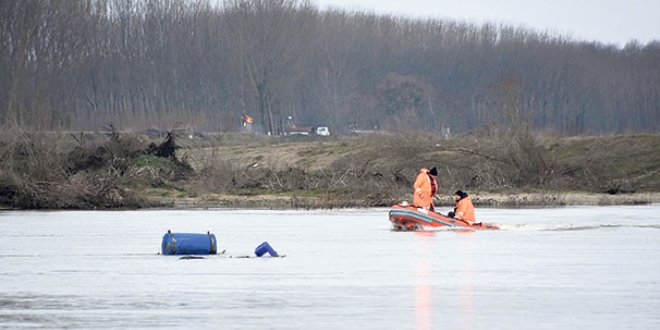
(137,64)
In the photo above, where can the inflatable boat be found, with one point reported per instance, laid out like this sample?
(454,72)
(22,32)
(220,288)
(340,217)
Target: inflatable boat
(408,217)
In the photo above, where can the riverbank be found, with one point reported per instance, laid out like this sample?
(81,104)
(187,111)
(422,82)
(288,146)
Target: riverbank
(522,200)
(497,169)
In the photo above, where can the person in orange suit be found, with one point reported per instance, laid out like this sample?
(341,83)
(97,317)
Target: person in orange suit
(426,186)
(464,208)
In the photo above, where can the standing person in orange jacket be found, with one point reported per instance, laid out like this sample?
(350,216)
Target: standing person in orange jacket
(426,186)
(464,208)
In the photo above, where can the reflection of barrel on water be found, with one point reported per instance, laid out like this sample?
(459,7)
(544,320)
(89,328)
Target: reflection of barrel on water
(189,243)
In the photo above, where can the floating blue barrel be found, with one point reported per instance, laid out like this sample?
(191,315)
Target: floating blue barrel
(263,248)
(187,243)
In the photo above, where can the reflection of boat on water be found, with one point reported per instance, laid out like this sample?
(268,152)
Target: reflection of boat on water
(408,217)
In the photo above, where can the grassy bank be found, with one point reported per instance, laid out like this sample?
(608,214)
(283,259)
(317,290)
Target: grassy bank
(497,168)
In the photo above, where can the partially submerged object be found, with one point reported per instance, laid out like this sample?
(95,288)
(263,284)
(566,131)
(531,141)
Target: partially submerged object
(192,245)
(408,217)
(189,244)
(264,248)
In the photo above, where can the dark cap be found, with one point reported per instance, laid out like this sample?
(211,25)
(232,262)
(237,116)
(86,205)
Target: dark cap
(461,193)
(434,171)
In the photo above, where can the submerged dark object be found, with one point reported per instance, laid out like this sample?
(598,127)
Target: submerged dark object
(189,244)
(191,257)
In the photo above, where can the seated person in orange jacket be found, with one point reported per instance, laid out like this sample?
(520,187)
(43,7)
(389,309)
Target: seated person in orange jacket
(425,187)
(464,208)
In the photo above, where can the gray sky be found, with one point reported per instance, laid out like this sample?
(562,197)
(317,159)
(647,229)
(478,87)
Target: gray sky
(606,21)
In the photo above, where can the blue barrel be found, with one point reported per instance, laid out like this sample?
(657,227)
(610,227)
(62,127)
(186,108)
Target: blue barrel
(263,248)
(187,243)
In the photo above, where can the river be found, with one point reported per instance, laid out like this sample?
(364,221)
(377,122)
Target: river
(558,268)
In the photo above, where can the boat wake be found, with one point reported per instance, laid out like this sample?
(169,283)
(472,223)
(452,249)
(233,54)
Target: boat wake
(534,227)
(572,227)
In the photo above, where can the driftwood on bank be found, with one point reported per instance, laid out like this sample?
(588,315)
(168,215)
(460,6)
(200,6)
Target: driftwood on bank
(40,173)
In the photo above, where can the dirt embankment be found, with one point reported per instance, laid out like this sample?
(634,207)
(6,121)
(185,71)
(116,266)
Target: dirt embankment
(496,168)
(497,200)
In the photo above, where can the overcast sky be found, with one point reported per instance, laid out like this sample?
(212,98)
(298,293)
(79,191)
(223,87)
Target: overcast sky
(606,21)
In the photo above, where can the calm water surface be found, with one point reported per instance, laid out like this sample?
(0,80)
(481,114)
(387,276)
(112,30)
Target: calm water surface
(567,268)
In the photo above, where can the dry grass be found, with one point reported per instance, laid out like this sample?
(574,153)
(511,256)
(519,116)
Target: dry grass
(381,168)
(498,168)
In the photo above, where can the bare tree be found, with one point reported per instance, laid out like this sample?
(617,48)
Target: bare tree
(19,32)
(78,64)
(271,36)
(406,101)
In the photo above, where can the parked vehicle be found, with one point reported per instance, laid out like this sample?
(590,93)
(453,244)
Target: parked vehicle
(291,128)
(323,131)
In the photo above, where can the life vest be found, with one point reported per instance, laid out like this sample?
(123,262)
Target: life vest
(425,188)
(465,210)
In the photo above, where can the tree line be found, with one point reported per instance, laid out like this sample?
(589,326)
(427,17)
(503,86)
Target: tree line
(83,64)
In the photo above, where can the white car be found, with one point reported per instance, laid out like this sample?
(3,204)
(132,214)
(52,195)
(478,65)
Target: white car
(322,130)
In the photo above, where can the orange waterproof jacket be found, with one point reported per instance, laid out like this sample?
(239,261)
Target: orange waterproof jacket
(425,188)
(465,210)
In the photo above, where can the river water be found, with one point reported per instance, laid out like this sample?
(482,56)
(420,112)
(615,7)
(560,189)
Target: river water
(563,268)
